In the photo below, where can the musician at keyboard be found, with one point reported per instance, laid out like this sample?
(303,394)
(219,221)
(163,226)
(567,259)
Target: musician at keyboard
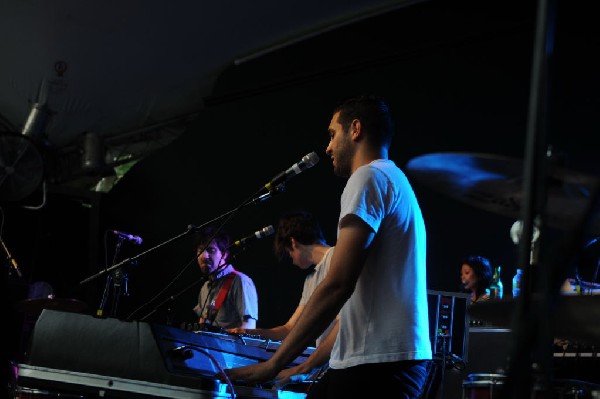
(299,237)
(228,298)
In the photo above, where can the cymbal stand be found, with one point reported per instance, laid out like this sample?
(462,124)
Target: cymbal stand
(530,361)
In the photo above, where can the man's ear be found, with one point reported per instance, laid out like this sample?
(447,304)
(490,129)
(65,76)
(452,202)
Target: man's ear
(356,129)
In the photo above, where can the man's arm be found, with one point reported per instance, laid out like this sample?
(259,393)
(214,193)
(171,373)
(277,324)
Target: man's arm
(247,302)
(347,262)
(276,333)
(305,370)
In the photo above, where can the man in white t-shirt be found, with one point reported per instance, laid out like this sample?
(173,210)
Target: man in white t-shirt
(377,276)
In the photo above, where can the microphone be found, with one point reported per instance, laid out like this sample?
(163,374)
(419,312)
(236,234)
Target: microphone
(129,237)
(307,161)
(264,232)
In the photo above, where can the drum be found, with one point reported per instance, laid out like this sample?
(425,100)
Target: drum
(482,386)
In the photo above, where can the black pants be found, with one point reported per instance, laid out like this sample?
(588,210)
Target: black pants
(404,379)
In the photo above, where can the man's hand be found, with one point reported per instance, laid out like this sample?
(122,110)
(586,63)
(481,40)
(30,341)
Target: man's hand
(258,372)
(236,330)
(292,375)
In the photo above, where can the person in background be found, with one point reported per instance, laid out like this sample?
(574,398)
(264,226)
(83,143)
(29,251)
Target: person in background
(228,298)
(476,277)
(377,276)
(300,238)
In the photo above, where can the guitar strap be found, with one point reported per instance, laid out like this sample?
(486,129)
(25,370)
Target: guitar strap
(212,311)
(223,291)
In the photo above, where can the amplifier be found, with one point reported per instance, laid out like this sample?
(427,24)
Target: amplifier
(448,321)
(485,355)
(489,350)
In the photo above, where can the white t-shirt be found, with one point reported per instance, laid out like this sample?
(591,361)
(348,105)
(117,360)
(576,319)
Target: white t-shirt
(386,318)
(311,282)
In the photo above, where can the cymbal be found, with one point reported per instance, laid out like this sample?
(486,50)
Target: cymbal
(495,183)
(574,317)
(35,306)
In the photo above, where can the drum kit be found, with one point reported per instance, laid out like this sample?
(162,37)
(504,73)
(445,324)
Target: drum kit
(496,184)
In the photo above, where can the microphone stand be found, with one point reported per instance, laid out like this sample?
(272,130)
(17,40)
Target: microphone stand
(116,280)
(172,298)
(530,361)
(190,229)
(255,198)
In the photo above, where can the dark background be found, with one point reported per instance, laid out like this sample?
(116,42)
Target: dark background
(457,77)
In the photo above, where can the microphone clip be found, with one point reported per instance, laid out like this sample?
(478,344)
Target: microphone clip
(272,191)
(277,189)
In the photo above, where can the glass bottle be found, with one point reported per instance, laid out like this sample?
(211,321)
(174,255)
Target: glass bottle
(496,288)
(517,281)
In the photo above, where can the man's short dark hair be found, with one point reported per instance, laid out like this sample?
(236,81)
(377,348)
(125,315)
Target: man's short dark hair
(373,113)
(212,234)
(299,224)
